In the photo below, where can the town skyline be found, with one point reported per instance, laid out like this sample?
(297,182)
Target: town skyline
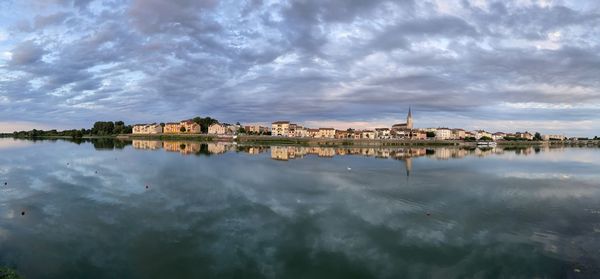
(509,65)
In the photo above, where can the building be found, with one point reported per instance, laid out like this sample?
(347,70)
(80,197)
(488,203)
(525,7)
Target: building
(218,129)
(147,129)
(553,137)
(383,133)
(458,134)
(525,136)
(301,132)
(190,127)
(367,134)
(481,134)
(186,126)
(443,134)
(418,135)
(280,128)
(403,126)
(498,136)
(327,133)
(341,134)
(256,129)
(313,133)
(171,128)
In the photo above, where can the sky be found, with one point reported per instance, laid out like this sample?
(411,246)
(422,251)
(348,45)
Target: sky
(497,65)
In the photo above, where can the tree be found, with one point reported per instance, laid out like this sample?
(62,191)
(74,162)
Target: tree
(537,136)
(182,129)
(431,134)
(485,138)
(241,130)
(204,122)
(102,128)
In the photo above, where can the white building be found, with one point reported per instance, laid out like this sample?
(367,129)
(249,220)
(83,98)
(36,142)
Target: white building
(443,134)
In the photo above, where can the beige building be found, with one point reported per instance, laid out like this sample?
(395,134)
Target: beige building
(553,137)
(301,132)
(418,135)
(341,134)
(443,134)
(481,133)
(327,133)
(280,128)
(147,129)
(498,136)
(256,129)
(183,127)
(383,133)
(367,134)
(218,129)
(526,135)
(458,134)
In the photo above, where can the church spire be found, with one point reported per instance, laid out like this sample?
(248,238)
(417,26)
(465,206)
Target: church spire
(409,119)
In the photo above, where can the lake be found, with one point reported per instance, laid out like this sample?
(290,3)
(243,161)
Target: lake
(153,209)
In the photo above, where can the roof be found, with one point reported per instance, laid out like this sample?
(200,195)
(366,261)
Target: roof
(381,129)
(326,129)
(281,122)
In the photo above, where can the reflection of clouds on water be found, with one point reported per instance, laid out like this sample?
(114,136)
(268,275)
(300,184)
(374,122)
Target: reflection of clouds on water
(216,214)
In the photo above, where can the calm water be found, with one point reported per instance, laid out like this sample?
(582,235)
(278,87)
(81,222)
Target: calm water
(225,211)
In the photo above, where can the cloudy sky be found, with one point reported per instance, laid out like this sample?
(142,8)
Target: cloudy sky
(506,65)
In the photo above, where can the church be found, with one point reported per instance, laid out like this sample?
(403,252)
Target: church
(405,126)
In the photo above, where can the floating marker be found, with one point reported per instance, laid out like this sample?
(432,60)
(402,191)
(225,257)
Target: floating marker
(146,186)
(428,214)
(349,168)
(22,213)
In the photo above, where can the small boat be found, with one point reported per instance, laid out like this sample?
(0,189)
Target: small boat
(486,143)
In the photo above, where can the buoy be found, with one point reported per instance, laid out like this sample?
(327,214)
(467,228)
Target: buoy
(146,186)
(22,213)
(428,214)
(349,168)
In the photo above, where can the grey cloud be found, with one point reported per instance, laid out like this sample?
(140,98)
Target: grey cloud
(48,20)
(186,16)
(26,53)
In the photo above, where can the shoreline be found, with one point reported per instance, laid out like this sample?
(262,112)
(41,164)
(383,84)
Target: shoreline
(270,140)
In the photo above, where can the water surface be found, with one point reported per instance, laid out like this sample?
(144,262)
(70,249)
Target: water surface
(151,209)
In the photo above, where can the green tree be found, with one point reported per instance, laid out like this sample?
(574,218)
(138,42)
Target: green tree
(182,129)
(431,134)
(204,122)
(486,138)
(103,128)
(537,136)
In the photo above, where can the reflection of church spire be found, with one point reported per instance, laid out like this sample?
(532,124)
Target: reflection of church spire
(408,165)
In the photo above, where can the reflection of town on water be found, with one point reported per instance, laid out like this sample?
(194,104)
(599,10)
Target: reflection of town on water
(284,153)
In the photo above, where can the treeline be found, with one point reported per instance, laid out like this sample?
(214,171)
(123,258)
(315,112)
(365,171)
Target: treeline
(100,128)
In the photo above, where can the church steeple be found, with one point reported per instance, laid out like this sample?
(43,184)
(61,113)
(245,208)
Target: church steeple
(409,119)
